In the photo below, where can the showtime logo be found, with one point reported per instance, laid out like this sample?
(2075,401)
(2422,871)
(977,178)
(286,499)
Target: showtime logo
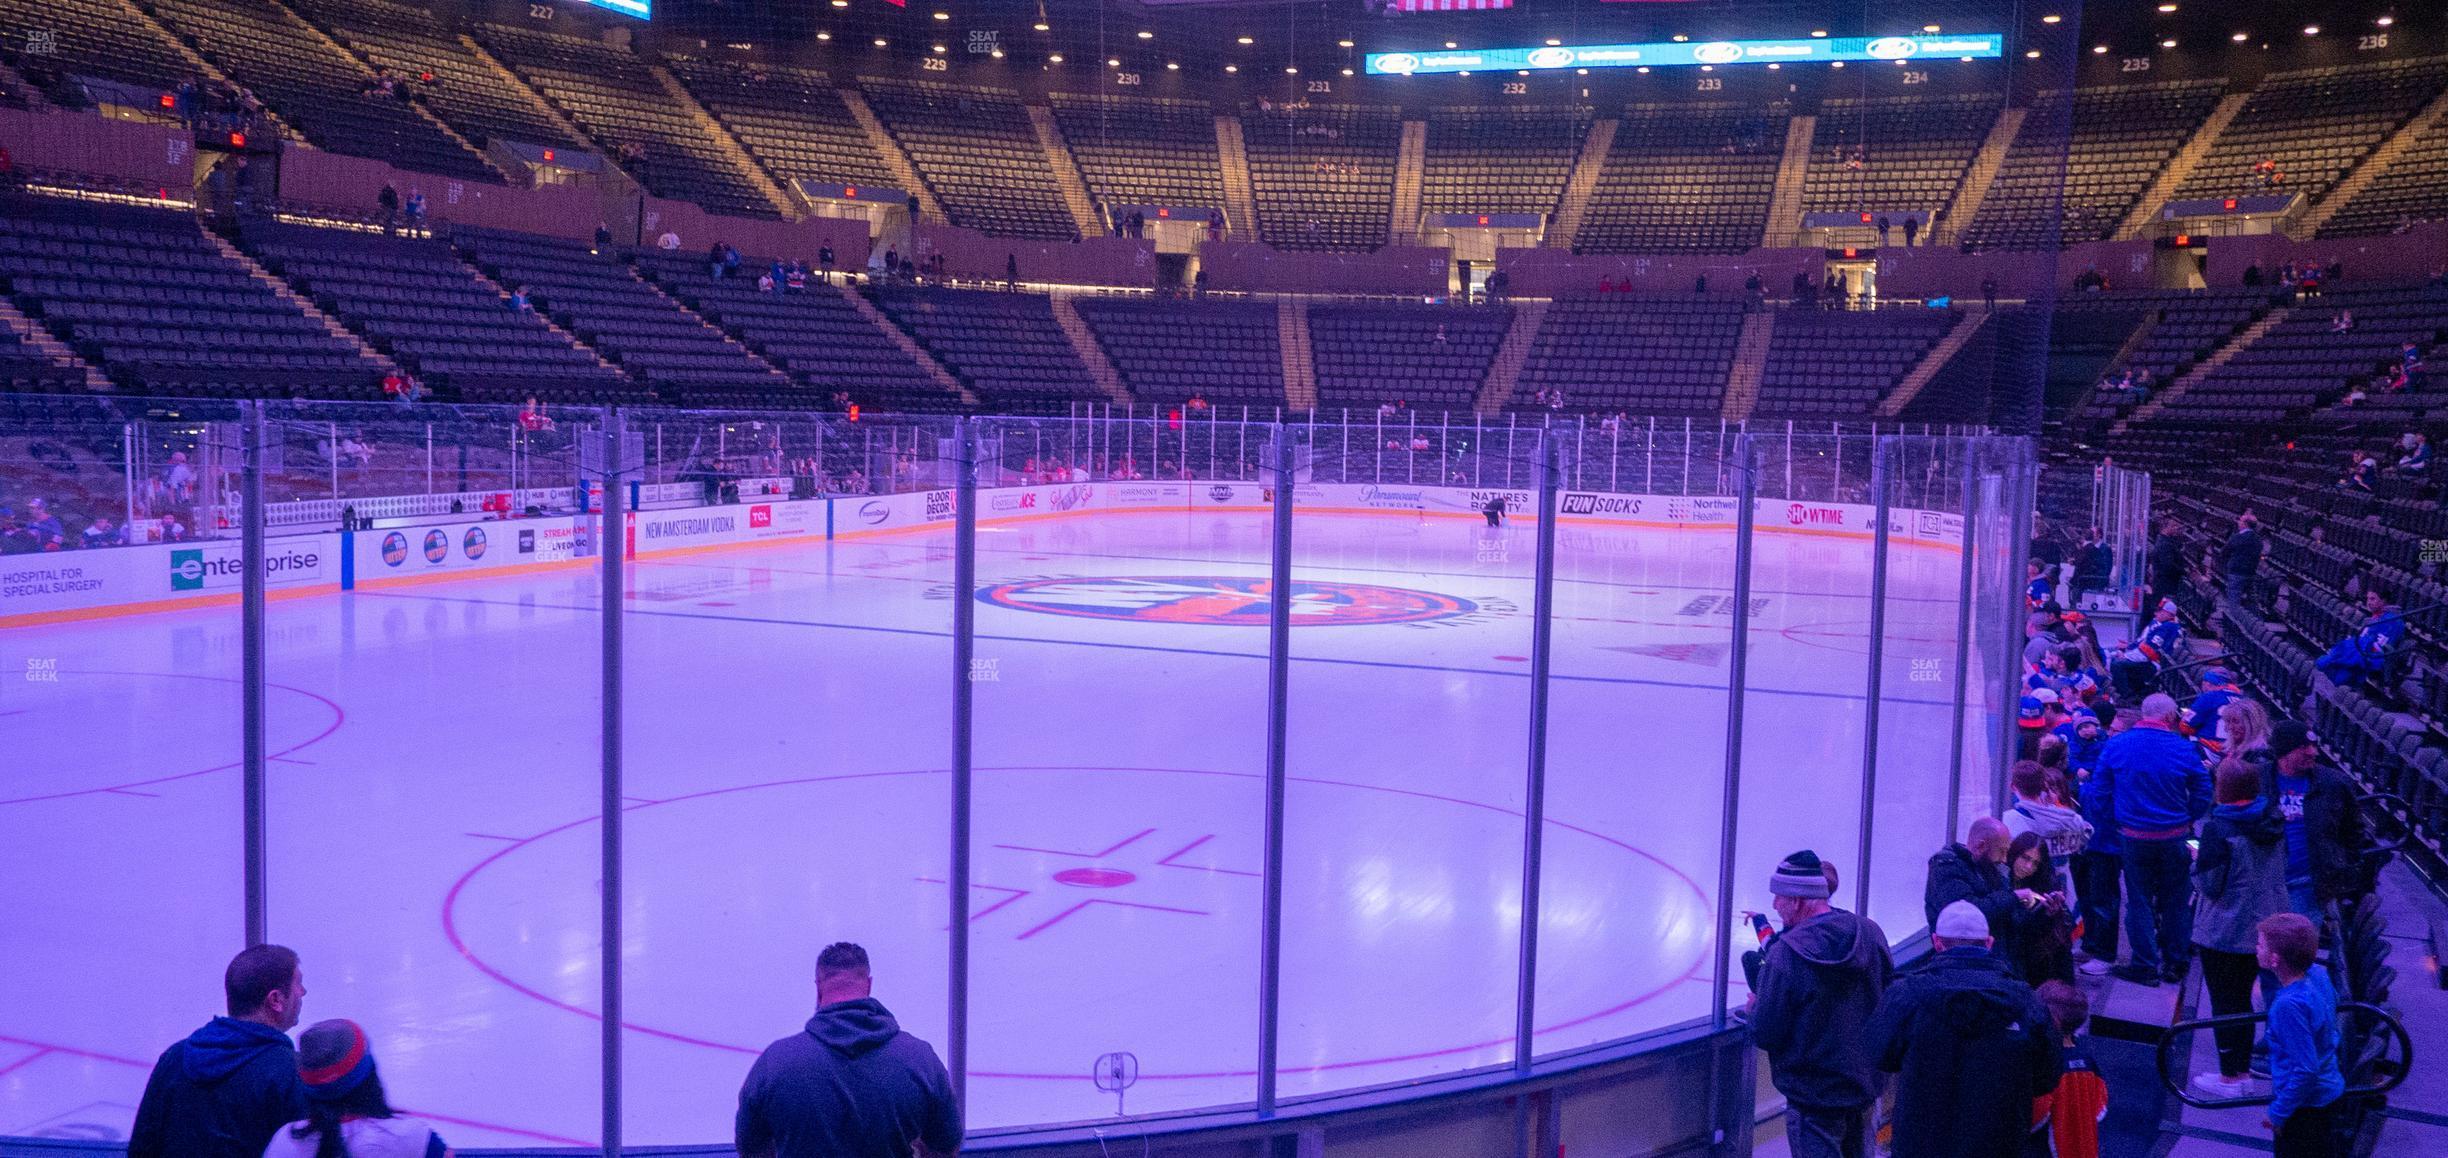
(1801,515)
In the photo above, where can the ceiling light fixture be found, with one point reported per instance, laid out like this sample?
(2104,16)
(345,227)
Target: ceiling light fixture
(2311,29)
(943,16)
(1347,72)
(824,36)
(2385,20)
(1819,33)
(1040,26)
(2241,37)
(2034,54)
(879,42)
(1552,42)
(1232,68)
(1291,70)
(1113,62)
(939,49)
(1055,58)
(2051,18)
(1245,40)
(2166,8)
(2170,42)
(1929,28)
(2099,50)
(1343,44)
(1144,34)
(1451,44)
(1680,38)
(1172,66)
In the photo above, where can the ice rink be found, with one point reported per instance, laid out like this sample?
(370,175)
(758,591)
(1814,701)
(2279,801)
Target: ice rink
(434,834)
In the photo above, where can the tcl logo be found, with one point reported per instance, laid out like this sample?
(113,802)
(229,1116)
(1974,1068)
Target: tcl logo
(760,517)
(1807,516)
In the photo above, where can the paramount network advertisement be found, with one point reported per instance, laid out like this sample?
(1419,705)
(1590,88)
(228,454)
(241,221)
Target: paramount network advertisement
(1669,53)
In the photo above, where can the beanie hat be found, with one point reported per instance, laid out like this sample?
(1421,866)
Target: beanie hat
(2029,713)
(2288,736)
(2046,695)
(1799,875)
(1961,921)
(333,1059)
(2217,677)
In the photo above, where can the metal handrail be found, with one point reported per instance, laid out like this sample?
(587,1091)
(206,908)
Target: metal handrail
(2182,1090)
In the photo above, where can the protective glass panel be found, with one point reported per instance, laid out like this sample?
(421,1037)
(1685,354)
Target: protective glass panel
(1410,646)
(121,837)
(435,667)
(787,647)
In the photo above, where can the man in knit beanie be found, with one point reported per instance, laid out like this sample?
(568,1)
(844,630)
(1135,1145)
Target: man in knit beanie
(1818,986)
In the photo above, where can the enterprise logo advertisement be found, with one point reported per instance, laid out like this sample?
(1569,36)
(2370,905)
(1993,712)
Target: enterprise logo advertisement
(1809,51)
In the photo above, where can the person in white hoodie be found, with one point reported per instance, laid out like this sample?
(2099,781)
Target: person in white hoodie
(2037,810)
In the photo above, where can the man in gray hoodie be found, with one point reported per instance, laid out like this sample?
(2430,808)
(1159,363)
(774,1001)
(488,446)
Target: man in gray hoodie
(852,1085)
(1818,986)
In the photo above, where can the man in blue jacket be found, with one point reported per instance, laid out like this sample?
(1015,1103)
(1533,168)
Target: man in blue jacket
(852,1085)
(2365,654)
(223,1091)
(2155,786)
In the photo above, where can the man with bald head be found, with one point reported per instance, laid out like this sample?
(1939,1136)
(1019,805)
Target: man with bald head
(2156,786)
(1975,871)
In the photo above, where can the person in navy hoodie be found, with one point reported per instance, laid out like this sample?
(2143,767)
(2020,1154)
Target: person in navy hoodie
(223,1091)
(852,1085)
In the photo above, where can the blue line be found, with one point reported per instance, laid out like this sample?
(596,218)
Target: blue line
(1376,663)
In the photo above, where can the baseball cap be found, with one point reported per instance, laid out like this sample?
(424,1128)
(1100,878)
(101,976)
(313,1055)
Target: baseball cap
(1961,921)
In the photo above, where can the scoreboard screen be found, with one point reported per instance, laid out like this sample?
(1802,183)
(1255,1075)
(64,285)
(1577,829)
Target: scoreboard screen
(1720,52)
(642,9)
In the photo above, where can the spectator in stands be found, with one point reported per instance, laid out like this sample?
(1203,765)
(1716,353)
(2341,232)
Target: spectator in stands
(2041,947)
(1972,1045)
(1819,985)
(2071,1113)
(2328,836)
(15,539)
(2365,655)
(2167,561)
(853,1085)
(1912,228)
(222,1091)
(178,479)
(1975,870)
(414,209)
(669,242)
(2343,323)
(48,534)
(1700,284)
(765,282)
(824,263)
(2093,560)
(2252,274)
(102,533)
(2038,811)
(795,277)
(2135,670)
(1011,271)
(519,302)
(2240,877)
(2090,280)
(347,1112)
(2417,453)
(1883,227)
(2156,788)
(2305,1082)
(2240,559)
(714,260)
(389,202)
(2202,719)
(397,388)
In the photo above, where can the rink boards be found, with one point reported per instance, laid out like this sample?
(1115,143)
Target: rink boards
(74,585)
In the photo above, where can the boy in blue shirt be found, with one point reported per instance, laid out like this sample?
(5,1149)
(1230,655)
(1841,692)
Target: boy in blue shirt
(2305,1083)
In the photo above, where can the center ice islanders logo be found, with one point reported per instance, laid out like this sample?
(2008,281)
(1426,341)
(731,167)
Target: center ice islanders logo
(1221,599)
